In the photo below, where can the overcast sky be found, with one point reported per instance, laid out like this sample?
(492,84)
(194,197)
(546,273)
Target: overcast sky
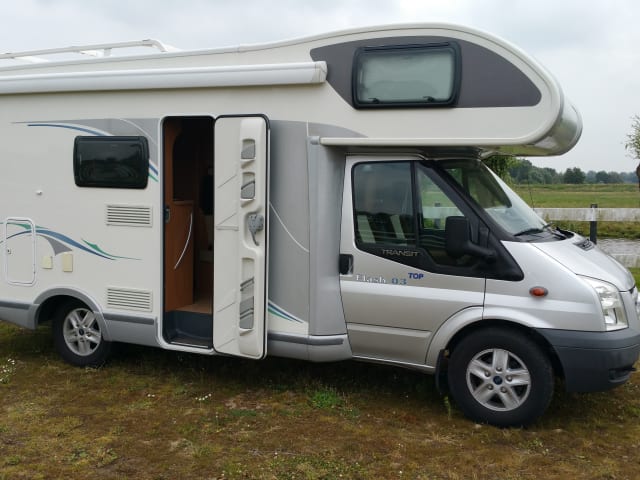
(591,47)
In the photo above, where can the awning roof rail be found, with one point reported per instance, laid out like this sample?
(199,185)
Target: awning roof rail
(94,50)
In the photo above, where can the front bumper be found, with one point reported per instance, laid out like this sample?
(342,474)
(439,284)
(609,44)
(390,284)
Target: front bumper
(594,361)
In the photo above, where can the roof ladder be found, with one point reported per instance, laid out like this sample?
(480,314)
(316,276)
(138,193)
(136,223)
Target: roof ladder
(96,50)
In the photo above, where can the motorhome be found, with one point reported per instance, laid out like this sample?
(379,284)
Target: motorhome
(321,199)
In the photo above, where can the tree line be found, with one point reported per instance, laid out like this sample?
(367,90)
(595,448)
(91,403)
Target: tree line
(520,170)
(524,172)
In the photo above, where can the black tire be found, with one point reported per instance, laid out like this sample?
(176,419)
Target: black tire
(77,335)
(500,377)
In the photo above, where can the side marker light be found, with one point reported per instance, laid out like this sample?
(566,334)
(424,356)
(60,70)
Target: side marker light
(538,291)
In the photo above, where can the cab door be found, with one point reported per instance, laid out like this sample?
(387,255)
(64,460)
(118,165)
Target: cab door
(401,285)
(241,196)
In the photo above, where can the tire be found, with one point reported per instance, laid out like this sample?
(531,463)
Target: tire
(77,336)
(500,377)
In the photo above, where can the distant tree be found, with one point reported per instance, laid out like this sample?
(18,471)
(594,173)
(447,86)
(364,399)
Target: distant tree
(551,176)
(615,177)
(633,143)
(520,170)
(591,176)
(633,139)
(500,164)
(574,175)
(523,171)
(536,176)
(602,177)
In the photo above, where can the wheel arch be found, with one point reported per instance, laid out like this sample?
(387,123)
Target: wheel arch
(530,333)
(47,304)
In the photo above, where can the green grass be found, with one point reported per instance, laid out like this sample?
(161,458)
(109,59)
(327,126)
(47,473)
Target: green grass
(154,414)
(582,196)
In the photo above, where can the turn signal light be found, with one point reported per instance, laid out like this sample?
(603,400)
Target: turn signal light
(538,291)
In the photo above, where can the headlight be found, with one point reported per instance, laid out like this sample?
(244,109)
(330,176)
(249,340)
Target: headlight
(611,303)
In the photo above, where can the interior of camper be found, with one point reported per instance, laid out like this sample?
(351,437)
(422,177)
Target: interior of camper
(188,230)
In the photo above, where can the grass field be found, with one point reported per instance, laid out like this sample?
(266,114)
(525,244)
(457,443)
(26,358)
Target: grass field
(154,414)
(582,196)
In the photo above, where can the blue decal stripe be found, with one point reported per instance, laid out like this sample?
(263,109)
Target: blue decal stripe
(48,233)
(152,167)
(93,249)
(96,248)
(70,127)
(18,234)
(63,238)
(276,310)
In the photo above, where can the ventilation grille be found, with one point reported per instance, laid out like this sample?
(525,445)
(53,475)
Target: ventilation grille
(586,244)
(127,299)
(129,215)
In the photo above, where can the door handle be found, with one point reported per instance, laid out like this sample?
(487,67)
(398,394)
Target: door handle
(255,223)
(346,264)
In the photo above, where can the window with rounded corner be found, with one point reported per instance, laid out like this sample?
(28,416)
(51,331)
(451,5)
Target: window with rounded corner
(400,213)
(111,162)
(406,76)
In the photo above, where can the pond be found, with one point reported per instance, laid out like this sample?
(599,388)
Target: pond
(625,251)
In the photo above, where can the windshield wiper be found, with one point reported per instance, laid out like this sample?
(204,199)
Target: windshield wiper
(532,230)
(529,231)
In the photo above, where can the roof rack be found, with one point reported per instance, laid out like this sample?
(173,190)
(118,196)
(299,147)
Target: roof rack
(96,50)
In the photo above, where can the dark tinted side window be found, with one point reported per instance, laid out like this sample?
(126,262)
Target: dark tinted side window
(111,162)
(383,204)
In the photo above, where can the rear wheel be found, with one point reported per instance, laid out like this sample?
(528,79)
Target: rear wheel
(499,376)
(77,335)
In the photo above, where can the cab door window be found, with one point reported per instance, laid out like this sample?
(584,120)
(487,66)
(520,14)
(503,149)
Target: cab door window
(400,213)
(383,204)
(435,207)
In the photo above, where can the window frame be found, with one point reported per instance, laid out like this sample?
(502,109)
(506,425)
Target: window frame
(456,78)
(139,183)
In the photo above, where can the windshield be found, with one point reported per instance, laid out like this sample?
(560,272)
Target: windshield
(495,197)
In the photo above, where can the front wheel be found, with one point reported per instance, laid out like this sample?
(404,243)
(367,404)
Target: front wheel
(500,377)
(77,335)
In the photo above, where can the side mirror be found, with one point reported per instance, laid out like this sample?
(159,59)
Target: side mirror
(458,241)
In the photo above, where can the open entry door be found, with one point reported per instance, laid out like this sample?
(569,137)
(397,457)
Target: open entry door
(241,159)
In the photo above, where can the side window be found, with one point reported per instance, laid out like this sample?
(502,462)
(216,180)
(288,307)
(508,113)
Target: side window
(111,162)
(383,204)
(406,76)
(436,206)
(400,213)
(480,187)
